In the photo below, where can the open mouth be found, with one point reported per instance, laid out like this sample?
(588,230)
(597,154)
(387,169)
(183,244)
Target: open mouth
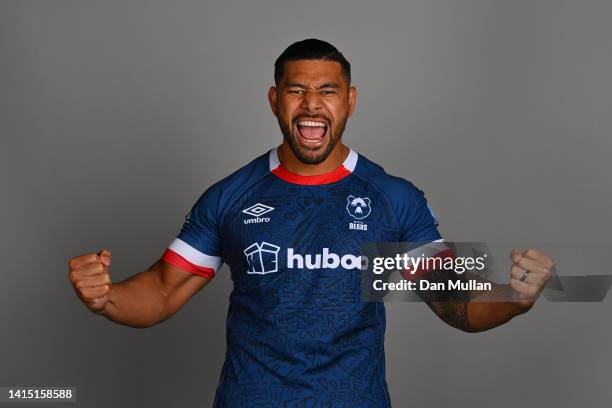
(312,131)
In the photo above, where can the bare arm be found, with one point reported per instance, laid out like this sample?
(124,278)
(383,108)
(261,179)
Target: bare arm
(474,311)
(460,310)
(143,300)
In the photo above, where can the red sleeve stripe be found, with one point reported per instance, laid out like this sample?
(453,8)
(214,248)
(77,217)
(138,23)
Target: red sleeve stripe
(175,259)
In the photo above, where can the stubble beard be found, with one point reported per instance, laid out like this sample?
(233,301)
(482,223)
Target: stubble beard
(302,153)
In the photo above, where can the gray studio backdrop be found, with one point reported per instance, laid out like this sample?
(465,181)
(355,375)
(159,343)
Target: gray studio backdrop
(115,116)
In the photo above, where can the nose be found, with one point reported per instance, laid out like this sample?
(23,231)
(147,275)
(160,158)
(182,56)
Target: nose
(311,101)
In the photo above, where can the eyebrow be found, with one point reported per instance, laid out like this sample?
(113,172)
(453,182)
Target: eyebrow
(300,85)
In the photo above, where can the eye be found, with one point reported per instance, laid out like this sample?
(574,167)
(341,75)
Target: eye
(296,91)
(328,92)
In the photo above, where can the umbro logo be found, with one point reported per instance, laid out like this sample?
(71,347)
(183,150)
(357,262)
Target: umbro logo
(257,210)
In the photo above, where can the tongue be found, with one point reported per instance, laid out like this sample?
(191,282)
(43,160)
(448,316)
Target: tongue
(311,132)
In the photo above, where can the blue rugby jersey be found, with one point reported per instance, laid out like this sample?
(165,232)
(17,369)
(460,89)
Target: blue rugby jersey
(298,334)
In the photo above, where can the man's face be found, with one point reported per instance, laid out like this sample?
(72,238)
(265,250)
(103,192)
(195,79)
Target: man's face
(312,104)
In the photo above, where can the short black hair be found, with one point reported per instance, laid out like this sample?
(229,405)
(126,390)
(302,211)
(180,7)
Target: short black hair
(310,49)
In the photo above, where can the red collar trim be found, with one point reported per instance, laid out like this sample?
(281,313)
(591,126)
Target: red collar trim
(331,177)
(338,174)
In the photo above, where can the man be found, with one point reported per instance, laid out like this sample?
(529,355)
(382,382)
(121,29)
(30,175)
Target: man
(289,224)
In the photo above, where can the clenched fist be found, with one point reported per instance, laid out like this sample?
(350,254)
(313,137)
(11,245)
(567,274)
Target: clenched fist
(531,270)
(90,279)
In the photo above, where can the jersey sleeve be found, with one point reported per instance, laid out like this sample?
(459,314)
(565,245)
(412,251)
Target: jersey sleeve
(417,220)
(419,225)
(196,249)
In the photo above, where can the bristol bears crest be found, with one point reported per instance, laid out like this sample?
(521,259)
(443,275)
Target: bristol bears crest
(358,207)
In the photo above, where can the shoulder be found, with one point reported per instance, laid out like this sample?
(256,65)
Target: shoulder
(221,194)
(396,189)
(407,202)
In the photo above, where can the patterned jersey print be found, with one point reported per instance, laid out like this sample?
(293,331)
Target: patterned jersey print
(298,334)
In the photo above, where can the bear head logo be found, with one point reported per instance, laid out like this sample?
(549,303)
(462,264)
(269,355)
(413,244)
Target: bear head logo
(358,207)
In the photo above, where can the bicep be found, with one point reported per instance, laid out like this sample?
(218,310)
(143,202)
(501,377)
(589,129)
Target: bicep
(193,257)
(176,284)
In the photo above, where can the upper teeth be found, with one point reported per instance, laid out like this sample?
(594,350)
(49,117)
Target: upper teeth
(311,123)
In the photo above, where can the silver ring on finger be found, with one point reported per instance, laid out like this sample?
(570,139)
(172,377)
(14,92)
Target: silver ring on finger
(524,276)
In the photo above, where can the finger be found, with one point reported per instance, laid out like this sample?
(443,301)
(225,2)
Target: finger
(516,255)
(93,281)
(89,270)
(524,289)
(81,260)
(97,304)
(532,266)
(90,294)
(530,278)
(517,273)
(538,256)
(105,256)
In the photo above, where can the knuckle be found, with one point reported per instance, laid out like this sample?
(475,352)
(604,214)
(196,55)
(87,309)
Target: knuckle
(91,303)
(93,295)
(99,301)
(75,281)
(93,269)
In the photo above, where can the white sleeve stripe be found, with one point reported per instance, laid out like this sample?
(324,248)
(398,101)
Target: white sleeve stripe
(194,256)
(428,249)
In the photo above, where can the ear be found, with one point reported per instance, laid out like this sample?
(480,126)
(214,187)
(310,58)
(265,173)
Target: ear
(350,199)
(367,200)
(272,99)
(352,99)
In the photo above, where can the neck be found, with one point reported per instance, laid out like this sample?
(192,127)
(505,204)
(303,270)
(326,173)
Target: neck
(290,162)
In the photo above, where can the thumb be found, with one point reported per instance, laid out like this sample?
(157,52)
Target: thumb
(515,255)
(105,256)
